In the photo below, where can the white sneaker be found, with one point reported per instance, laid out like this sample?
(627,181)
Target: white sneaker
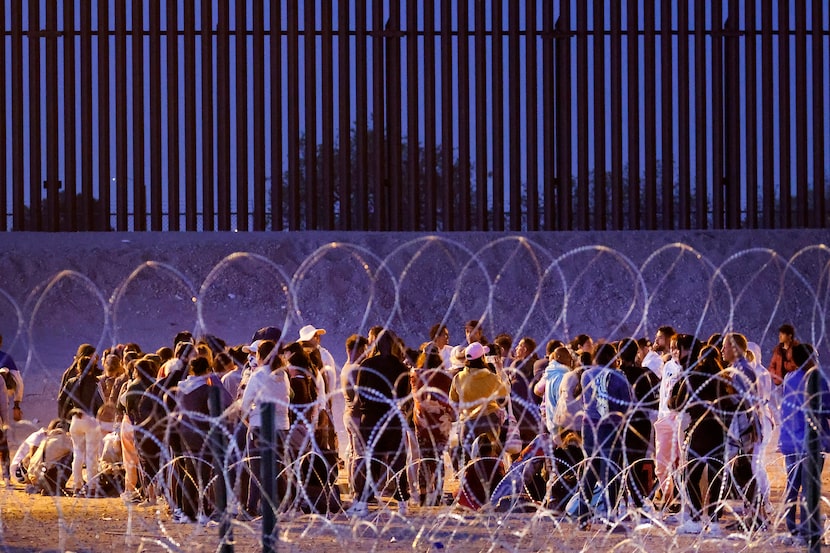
(358,509)
(180,518)
(714,529)
(203,519)
(693,527)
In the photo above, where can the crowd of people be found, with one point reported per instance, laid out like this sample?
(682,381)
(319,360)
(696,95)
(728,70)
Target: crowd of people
(598,430)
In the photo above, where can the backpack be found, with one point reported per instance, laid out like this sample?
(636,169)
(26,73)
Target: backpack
(8,378)
(52,477)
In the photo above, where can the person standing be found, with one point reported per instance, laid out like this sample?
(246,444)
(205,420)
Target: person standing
(193,464)
(433,418)
(702,396)
(667,434)
(439,335)
(480,396)
(356,346)
(382,391)
(80,401)
(268,384)
(606,398)
(791,441)
(13,381)
(780,365)
(781,362)
(311,335)
(745,430)
(638,432)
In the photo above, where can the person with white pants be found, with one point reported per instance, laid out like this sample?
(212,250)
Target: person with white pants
(86,450)
(79,400)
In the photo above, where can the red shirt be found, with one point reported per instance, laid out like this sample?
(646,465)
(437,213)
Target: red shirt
(781,363)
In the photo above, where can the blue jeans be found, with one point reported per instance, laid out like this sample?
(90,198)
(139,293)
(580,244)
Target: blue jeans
(602,444)
(794,492)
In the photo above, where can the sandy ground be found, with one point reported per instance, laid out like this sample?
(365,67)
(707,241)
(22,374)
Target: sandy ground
(31,522)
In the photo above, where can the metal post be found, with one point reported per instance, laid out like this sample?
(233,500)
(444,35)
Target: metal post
(266,472)
(812,467)
(217,440)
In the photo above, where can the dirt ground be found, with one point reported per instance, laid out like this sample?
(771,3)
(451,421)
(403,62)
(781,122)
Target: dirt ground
(40,523)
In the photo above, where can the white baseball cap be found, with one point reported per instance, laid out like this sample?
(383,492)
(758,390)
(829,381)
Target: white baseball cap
(253,348)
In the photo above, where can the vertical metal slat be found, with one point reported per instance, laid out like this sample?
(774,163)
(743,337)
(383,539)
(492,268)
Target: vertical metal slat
(394,215)
(344,162)
(802,218)
(548,115)
(4,127)
(532,116)
(121,139)
(208,131)
(751,124)
(447,116)
(361,119)
(104,110)
(156,167)
(430,185)
(583,162)
(650,114)
(819,108)
(732,117)
(223,119)
(70,128)
(379,119)
(413,81)
(35,139)
(258,94)
(701,142)
(277,181)
(173,157)
(86,221)
(241,89)
(718,127)
(139,179)
(52,183)
(497,95)
(784,107)
(480,45)
(767,115)
(464,177)
(190,133)
(600,128)
(617,214)
(327,90)
(514,116)
(310,79)
(667,95)
(633,40)
(684,165)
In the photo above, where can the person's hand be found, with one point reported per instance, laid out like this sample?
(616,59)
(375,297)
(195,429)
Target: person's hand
(17,413)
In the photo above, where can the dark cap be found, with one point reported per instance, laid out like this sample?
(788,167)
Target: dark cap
(267,333)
